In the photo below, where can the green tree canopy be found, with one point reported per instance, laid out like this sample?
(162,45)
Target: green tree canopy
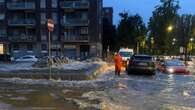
(164,16)
(131,30)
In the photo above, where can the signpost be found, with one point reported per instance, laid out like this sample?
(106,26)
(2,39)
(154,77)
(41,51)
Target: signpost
(50,26)
(181,50)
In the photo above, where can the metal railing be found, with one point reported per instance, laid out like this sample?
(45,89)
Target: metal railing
(22,38)
(21,22)
(74,4)
(75,38)
(21,5)
(76,22)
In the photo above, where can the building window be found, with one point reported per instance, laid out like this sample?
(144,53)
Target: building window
(43,34)
(54,3)
(2,1)
(84,16)
(2,32)
(2,16)
(30,47)
(16,47)
(1,49)
(43,3)
(84,30)
(43,18)
(44,47)
(55,18)
(54,37)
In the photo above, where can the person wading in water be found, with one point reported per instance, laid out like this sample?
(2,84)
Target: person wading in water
(118,64)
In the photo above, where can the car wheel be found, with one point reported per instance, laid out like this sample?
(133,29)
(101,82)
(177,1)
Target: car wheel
(129,72)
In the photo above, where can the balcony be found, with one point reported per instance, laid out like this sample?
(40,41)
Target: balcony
(22,38)
(3,38)
(75,4)
(75,38)
(22,22)
(76,22)
(21,6)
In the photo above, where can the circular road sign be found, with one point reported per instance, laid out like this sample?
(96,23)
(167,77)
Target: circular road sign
(50,25)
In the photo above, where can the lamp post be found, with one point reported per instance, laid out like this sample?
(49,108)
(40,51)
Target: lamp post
(191,42)
(169,28)
(173,43)
(174,39)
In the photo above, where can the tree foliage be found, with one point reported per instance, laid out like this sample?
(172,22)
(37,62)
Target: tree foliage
(109,36)
(185,30)
(131,29)
(164,16)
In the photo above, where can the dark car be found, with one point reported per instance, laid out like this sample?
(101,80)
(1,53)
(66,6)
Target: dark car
(5,58)
(174,67)
(141,64)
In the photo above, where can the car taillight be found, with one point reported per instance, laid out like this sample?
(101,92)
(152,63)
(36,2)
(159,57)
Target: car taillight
(130,62)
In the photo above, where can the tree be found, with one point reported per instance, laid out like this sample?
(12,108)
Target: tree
(109,36)
(185,31)
(163,17)
(131,30)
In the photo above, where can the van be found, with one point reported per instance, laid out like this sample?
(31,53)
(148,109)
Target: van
(126,54)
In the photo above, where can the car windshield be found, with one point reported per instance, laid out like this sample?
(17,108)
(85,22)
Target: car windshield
(126,54)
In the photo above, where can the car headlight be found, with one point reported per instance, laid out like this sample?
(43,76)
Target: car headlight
(170,70)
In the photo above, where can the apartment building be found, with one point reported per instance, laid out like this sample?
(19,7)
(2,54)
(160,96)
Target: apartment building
(77,33)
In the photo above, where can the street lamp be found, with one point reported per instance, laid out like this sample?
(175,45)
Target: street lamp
(174,39)
(170,28)
(173,43)
(192,47)
(191,39)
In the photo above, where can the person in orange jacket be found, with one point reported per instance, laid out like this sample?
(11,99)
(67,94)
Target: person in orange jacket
(118,63)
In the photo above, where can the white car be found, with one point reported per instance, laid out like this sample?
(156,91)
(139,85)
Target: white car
(27,58)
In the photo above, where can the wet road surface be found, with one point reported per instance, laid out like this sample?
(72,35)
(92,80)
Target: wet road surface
(109,92)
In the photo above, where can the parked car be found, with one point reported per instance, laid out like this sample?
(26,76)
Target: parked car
(27,58)
(5,58)
(141,64)
(174,67)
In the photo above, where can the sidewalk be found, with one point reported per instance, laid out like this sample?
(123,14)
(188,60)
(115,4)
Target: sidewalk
(72,71)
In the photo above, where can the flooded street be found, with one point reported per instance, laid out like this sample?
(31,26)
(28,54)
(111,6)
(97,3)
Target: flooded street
(108,92)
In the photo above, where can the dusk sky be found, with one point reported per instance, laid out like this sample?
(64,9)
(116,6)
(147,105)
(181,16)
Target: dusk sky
(144,7)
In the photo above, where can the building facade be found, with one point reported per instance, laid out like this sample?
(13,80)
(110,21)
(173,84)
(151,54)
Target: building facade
(108,14)
(77,33)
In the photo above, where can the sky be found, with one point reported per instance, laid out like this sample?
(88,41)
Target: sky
(144,7)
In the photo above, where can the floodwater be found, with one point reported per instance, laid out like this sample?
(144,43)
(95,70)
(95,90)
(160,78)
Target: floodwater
(109,92)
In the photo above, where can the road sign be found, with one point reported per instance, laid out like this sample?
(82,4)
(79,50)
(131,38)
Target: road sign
(50,25)
(181,50)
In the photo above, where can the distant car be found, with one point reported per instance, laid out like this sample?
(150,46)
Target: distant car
(141,64)
(189,61)
(174,67)
(27,58)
